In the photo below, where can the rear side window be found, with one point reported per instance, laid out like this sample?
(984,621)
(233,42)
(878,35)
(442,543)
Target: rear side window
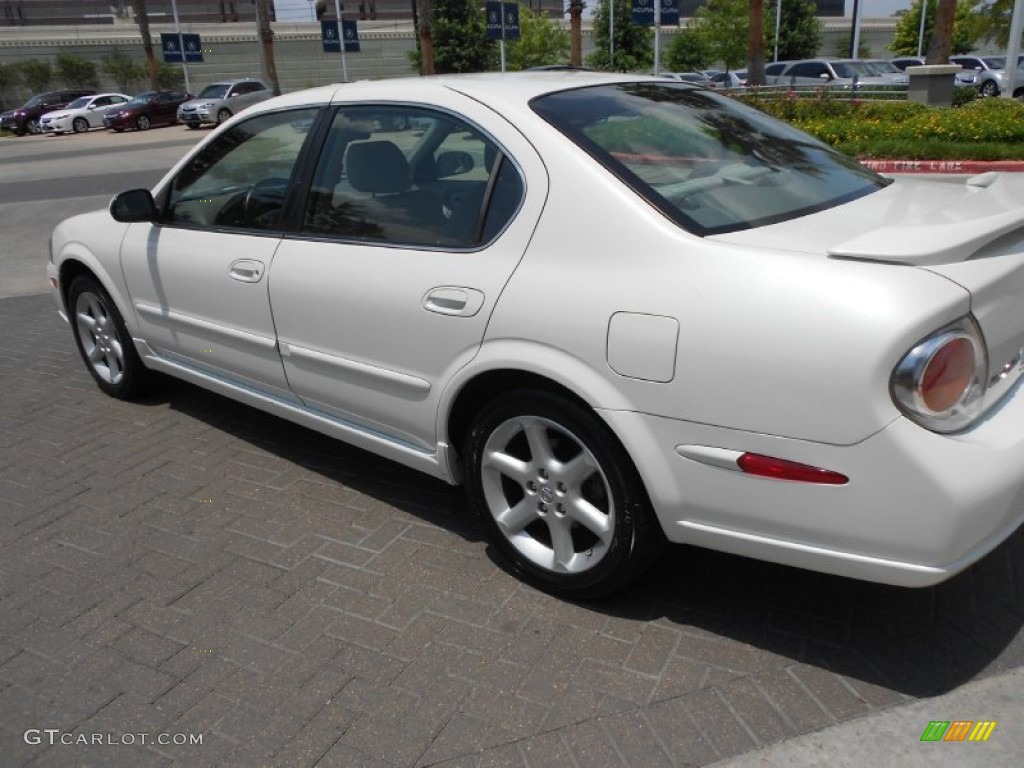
(410,176)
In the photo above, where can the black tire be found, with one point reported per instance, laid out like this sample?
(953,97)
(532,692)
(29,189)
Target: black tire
(142,123)
(103,341)
(118,130)
(989,88)
(193,126)
(577,492)
(222,115)
(32,126)
(80,124)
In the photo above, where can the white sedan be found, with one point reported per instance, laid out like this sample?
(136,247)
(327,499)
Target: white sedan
(622,311)
(82,114)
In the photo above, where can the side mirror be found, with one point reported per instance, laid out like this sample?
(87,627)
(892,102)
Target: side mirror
(825,76)
(133,206)
(453,164)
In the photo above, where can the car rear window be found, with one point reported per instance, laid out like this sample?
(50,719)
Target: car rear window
(704,160)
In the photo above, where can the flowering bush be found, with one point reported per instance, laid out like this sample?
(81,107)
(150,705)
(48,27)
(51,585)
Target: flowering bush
(980,129)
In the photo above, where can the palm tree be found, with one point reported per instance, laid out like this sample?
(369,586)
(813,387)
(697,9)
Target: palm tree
(576,33)
(266,35)
(755,44)
(942,33)
(425,13)
(142,19)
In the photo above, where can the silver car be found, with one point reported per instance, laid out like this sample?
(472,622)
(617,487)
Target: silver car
(219,101)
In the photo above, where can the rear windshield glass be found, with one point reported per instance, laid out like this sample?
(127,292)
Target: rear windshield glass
(706,161)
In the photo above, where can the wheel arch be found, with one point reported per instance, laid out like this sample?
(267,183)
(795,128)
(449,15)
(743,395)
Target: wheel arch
(75,267)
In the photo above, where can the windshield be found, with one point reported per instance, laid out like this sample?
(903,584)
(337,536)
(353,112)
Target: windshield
(33,102)
(214,91)
(704,160)
(140,99)
(883,68)
(851,68)
(81,103)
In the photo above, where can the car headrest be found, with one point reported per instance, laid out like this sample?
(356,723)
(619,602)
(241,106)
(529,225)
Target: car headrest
(377,167)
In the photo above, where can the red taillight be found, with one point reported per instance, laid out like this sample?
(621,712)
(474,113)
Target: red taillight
(947,376)
(781,469)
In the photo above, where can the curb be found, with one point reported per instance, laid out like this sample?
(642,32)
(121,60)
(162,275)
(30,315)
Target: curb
(943,166)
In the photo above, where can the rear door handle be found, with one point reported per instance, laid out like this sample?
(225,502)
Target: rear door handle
(454,300)
(246,270)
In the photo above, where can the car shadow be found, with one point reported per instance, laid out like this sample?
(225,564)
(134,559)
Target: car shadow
(918,642)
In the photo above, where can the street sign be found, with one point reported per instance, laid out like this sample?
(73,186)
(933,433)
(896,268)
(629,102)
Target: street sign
(329,36)
(494,11)
(173,47)
(643,13)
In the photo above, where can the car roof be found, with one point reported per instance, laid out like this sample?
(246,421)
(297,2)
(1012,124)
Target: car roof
(513,88)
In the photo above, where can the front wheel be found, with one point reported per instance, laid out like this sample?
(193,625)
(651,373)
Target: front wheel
(104,342)
(32,126)
(224,114)
(142,123)
(80,124)
(989,88)
(559,496)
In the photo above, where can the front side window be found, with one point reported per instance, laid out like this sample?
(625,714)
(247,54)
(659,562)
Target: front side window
(409,176)
(704,160)
(240,180)
(214,91)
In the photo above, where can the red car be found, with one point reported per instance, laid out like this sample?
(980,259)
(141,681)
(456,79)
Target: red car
(145,110)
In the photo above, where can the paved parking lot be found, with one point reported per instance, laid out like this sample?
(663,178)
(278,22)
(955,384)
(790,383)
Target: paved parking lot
(190,567)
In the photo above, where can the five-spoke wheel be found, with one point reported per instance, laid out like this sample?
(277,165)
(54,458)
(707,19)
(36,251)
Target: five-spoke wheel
(560,497)
(142,122)
(80,125)
(103,341)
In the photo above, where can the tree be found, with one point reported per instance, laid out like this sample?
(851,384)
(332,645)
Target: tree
(688,51)
(541,42)
(120,67)
(266,35)
(724,24)
(423,20)
(9,77)
(576,32)
(169,77)
(941,46)
(843,45)
(142,19)
(75,72)
(799,30)
(632,43)
(755,43)
(908,28)
(458,39)
(993,21)
(36,75)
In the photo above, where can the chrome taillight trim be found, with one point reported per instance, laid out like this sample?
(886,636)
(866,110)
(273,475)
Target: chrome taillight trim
(906,379)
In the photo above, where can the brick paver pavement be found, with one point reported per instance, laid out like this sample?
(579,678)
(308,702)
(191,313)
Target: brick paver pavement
(187,565)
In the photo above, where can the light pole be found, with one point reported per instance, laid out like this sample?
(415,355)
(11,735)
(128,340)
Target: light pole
(181,45)
(920,34)
(778,24)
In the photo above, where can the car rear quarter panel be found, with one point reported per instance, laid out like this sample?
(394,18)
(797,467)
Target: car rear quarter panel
(788,344)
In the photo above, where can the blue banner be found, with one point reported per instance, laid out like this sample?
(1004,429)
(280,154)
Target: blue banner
(173,47)
(329,36)
(643,13)
(498,12)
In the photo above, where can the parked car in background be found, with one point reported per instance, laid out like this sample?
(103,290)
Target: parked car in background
(737,79)
(688,77)
(146,110)
(965,77)
(988,73)
(903,62)
(800,361)
(773,69)
(839,72)
(217,102)
(81,114)
(25,119)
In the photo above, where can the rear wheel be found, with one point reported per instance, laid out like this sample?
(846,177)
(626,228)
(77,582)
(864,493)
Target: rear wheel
(142,123)
(80,124)
(559,496)
(104,342)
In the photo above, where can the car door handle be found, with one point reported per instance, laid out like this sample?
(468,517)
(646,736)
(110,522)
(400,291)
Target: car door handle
(454,300)
(246,270)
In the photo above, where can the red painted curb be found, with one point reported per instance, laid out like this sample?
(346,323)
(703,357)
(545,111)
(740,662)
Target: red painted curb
(943,166)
